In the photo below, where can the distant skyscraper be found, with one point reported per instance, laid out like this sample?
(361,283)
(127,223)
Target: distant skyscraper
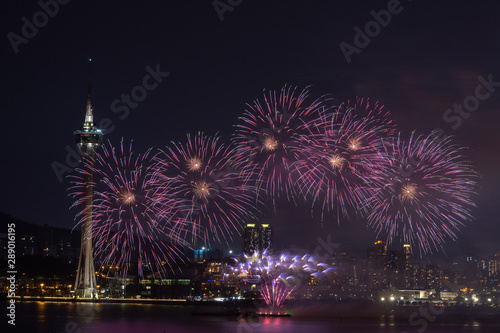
(257,238)
(88,139)
(378,253)
(406,252)
(250,239)
(380,249)
(406,266)
(266,238)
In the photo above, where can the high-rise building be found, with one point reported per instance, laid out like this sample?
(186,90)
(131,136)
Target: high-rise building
(257,238)
(251,241)
(88,139)
(406,266)
(266,238)
(406,252)
(378,254)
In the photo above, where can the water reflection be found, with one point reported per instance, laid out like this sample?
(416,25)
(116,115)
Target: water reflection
(55,317)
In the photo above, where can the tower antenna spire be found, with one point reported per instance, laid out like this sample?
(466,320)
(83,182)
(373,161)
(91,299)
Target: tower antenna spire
(89,116)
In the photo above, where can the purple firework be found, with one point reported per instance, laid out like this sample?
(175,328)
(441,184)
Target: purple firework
(127,226)
(266,139)
(276,293)
(342,153)
(214,200)
(427,193)
(371,111)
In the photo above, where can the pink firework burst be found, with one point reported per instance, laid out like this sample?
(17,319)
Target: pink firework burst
(127,227)
(214,200)
(276,293)
(266,139)
(342,152)
(428,192)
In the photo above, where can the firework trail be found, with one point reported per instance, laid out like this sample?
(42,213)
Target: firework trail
(266,140)
(275,294)
(342,153)
(427,194)
(214,200)
(372,112)
(127,226)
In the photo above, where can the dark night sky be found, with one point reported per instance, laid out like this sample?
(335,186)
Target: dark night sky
(428,58)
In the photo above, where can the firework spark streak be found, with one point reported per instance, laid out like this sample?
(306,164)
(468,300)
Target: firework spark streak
(213,197)
(265,139)
(276,294)
(342,153)
(127,225)
(427,195)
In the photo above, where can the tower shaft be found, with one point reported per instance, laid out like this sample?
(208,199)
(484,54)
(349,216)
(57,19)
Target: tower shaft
(85,284)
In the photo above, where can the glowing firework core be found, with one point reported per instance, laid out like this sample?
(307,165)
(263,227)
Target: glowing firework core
(127,198)
(408,191)
(270,143)
(194,164)
(201,189)
(336,161)
(354,144)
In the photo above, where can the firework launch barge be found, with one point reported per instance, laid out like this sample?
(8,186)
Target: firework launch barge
(235,308)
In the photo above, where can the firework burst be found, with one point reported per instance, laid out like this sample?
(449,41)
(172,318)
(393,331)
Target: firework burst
(342,152)
(427,192)
(266,139)
(285,272)
(127,227)
(211,194)
(275,294)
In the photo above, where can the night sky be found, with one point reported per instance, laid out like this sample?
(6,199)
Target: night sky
(427,58)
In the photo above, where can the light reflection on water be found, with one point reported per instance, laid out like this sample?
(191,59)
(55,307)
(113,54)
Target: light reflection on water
(53,317)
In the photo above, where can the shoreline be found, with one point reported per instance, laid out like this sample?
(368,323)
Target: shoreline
(103,300)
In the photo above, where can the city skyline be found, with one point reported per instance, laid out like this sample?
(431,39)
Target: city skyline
(378,273)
